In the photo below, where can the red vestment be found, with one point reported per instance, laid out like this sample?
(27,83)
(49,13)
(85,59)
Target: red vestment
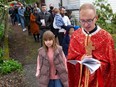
(105,76)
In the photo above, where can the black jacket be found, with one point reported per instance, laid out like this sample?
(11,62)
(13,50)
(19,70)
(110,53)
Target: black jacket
(48,20)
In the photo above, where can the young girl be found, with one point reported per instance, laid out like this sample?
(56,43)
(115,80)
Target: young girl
(51,63)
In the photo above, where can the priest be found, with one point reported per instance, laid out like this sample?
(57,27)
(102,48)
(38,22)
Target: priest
(91,41)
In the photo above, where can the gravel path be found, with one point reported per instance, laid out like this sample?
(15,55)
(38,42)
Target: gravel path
(24,49)
(30,80)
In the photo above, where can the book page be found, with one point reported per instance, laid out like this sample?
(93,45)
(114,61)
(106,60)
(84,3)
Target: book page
(92,67)
(43,22)
(89,60)
(74,62)
(91,63)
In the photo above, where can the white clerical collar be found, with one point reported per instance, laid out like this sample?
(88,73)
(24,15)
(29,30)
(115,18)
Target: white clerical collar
(98,29)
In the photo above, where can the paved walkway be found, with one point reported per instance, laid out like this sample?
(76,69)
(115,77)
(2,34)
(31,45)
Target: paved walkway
(24,49)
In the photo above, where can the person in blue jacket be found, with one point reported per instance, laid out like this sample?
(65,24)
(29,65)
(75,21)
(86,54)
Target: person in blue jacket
(66,40)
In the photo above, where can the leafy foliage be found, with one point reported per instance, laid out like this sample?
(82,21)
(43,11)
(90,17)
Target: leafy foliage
(2,12)
(107,19)
(9,66)
(1,31)
(1,55)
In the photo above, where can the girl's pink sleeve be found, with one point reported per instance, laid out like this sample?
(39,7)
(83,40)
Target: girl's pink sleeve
(38,67)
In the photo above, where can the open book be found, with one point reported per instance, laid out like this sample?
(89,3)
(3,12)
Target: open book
(91,63)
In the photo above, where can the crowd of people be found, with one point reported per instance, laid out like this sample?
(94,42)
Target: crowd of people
(61,42)
(37,19)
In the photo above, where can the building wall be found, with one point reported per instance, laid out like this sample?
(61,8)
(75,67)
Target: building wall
(86,1)
(73,4)
(64,2)
(54,2)
(77,3)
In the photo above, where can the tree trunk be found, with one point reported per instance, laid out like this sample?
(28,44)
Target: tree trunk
(6,48)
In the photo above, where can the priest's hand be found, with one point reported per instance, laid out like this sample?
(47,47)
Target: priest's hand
(87,56)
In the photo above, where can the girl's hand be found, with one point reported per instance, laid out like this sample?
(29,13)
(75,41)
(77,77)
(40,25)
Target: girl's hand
(37,74)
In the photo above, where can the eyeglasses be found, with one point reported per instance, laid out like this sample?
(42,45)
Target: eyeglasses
(89,21)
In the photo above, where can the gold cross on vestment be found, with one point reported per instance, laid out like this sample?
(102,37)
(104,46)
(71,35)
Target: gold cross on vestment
(89,47)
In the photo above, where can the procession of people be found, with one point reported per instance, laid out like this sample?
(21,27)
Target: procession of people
(63,44)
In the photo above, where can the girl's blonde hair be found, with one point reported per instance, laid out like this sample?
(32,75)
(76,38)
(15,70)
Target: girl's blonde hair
(48,35)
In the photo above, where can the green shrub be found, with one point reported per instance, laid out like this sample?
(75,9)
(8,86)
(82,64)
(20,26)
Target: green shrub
(1,31)
(9,66)
(1,55)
